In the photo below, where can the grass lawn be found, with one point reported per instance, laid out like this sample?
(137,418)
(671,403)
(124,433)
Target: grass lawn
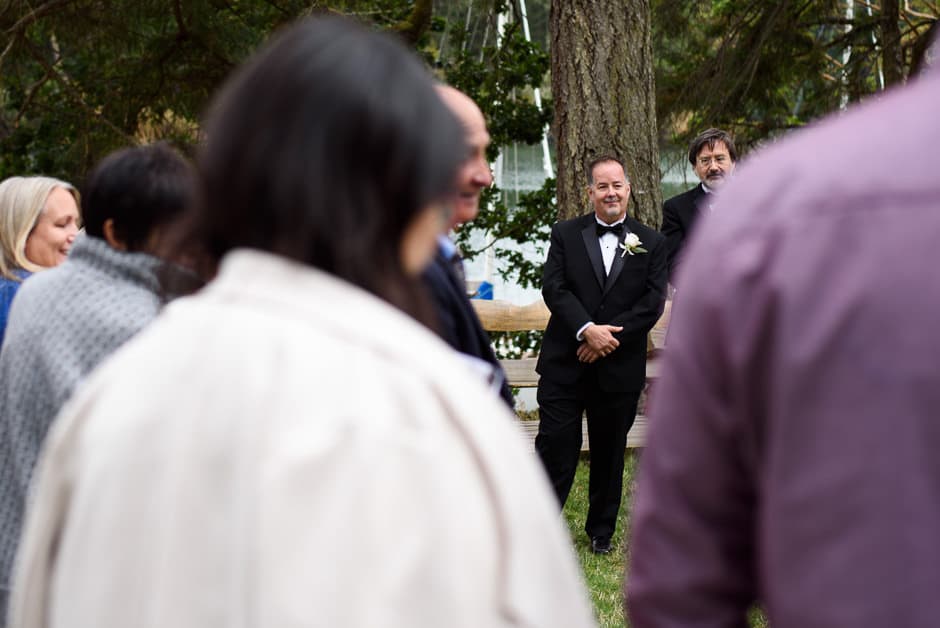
(604,573)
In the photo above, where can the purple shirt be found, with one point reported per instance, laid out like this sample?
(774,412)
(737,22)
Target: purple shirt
(794,448)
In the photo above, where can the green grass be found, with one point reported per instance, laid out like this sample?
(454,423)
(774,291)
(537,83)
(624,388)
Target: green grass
(604,573)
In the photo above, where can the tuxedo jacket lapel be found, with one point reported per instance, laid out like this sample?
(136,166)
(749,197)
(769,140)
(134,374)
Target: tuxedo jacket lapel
(700,202)
(593,247)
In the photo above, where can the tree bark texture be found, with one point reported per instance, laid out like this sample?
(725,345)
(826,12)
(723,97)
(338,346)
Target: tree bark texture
(605,100)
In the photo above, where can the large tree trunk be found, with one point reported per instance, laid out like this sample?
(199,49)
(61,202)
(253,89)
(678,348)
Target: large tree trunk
(605,100)
(417,23)
(891,60)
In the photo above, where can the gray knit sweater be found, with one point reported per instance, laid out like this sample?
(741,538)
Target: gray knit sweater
(63,322)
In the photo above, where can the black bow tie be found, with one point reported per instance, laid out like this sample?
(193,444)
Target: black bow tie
(617,229)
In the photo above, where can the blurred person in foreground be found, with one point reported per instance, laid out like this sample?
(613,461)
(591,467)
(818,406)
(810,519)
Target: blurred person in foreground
(39,220)
(457,322)
(792,454)
(67,320)
(289,447)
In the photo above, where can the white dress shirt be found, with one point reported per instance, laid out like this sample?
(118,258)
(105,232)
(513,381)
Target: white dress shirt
(609,243)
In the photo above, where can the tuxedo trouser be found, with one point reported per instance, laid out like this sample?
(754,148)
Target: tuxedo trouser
(558,443)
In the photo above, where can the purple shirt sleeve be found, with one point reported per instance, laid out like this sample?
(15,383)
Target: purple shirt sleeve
(792,456)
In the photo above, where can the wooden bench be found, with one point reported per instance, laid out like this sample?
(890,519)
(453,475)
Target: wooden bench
(505,316)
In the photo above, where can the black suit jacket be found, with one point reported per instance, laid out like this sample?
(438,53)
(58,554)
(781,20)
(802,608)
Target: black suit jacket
(576,291)
(457,320)
(679,215)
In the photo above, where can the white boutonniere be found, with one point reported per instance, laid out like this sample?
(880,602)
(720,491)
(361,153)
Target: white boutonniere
(631,244)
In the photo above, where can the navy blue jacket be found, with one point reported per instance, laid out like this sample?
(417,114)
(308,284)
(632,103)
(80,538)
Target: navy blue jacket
(458,324)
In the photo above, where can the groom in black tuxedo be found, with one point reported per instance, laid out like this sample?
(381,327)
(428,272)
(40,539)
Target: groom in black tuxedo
(713,156)
(605,283)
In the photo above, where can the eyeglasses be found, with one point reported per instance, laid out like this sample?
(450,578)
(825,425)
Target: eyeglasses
(719,160)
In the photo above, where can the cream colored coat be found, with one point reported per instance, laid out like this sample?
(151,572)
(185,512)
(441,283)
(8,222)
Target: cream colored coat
(286,450)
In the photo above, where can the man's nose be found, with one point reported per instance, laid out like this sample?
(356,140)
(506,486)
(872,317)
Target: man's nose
(482,175)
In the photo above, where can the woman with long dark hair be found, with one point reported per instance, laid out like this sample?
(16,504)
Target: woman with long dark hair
(289,447)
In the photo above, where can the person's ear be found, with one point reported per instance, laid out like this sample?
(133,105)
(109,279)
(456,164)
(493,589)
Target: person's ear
(110,235)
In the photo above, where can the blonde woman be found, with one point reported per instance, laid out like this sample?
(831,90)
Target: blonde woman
(39,220)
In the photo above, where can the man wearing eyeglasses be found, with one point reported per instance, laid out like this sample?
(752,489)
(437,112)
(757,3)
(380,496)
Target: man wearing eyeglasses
(712,156)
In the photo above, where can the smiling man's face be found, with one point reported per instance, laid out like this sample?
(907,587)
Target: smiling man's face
(474,175)
(609,191)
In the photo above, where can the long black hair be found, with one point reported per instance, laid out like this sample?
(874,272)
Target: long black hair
(323,149)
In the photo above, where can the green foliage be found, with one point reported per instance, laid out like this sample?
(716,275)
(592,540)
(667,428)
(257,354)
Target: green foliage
(761,68)
(498,78)
(89,76)
(82,78)
(512,345)
(529,222)
(603,573)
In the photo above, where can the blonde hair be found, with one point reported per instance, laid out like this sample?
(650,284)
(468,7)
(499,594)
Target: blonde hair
(22,200)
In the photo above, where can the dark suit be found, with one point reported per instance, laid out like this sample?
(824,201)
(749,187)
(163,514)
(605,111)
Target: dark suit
(458,324)
(679,215)
(576,291)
